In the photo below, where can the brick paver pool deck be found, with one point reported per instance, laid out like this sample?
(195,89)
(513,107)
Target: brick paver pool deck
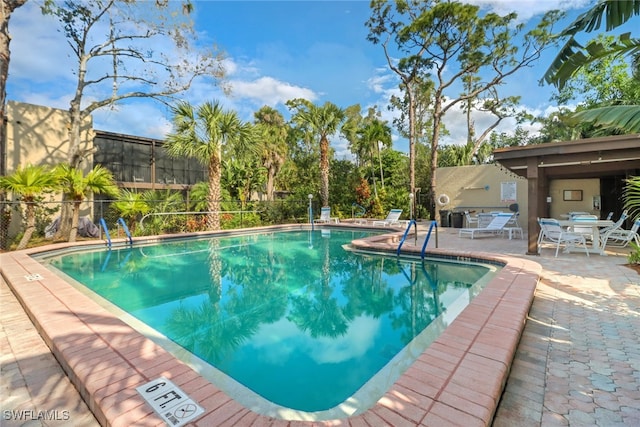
(577,362)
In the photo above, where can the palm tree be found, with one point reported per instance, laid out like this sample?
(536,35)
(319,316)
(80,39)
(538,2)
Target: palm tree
(574,56)
(632,196)
(274,132)
(319,122)
(130,205)
(28,183)
(77,187)
(203,133)
(374,133)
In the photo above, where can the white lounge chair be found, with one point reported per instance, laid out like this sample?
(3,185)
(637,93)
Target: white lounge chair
(619,237)
(552,232)
(393,218)
(496,226)
(325,216)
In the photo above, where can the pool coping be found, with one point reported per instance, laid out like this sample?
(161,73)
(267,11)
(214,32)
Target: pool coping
(458,380)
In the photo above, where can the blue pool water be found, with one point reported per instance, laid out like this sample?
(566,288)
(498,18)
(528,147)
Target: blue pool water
(291,315)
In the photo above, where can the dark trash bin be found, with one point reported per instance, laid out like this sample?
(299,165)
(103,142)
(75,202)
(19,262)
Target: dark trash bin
(445,220)
(456,219)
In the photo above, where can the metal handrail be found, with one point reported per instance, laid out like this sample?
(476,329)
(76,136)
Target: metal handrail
(404,237)
(106,231)
(353,208)
(126,230)
(426,239)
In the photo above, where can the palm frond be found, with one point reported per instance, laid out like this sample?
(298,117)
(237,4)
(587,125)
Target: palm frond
(614,12)
(621,117)
(573,56)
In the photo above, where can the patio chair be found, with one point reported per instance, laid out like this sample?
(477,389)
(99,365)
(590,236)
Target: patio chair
(325,216)
(616,225)
(471,220)
(393,218)
(484,219)
(587,228)
(552,232)
(513,226)
(495,227)
(619,237)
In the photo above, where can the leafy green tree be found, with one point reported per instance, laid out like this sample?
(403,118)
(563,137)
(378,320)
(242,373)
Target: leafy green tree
(273,131)
(165,201)
(574,57)
(205,134)
(452,41)
(76,187)
(607,81)
(318,123)
(241,175)
(27,183)
(374,135)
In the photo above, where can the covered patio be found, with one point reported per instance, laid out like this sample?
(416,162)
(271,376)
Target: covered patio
(611,159)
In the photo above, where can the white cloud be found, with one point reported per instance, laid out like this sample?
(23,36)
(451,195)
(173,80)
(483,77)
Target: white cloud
(39,53)
(359,337)
(269,91)
(137,118)
(526,9)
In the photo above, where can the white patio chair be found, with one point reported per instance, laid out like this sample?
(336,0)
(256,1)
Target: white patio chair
(513,226)
(471,220)
(495,227)
(552,232)
(587,228)
(393,218)
(325,216)
(616,225)
(619,237)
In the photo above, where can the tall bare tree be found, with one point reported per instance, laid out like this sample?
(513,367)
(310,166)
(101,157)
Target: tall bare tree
(447,41)
(6,9)
(126,49)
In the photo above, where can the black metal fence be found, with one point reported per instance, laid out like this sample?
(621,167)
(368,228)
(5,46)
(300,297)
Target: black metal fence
(161,217)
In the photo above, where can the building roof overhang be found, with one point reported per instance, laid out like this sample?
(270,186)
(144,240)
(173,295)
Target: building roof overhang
(574,159)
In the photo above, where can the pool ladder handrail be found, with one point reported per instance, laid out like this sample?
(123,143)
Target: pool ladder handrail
(426,240)
(404,236)
(434,224)
(360,213)
(108,236)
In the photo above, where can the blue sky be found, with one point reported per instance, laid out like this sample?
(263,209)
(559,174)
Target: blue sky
(276,50)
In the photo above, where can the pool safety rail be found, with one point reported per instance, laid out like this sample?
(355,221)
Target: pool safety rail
(433,225)
(360,211)
(103,223)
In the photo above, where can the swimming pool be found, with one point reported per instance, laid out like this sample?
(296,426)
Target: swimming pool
(293,309)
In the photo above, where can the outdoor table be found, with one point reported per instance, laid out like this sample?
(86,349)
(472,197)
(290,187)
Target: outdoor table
(596,225)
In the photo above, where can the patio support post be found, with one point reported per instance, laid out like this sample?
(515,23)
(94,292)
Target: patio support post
(533,196)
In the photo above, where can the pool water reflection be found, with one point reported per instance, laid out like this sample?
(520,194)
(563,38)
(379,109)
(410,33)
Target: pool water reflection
(290,315)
